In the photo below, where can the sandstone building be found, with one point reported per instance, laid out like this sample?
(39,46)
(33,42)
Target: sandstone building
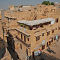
(33,36)
(29,29)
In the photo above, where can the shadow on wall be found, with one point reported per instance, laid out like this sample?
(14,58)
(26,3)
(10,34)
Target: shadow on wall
(2,48)
(11,47)
(50,50)
(44,56)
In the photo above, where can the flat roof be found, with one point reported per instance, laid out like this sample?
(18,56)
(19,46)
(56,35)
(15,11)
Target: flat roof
(36,22)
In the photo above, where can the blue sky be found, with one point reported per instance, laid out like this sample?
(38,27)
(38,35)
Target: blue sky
(5,3)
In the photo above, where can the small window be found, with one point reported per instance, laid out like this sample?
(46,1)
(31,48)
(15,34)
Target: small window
(21,46)
(42,34)
(25,38)
(28,39)
(48,33)
(52,31)
(29,10)
(31,27)
(37,38)
(21,37)
(27,51)
(57,20)
(54,38)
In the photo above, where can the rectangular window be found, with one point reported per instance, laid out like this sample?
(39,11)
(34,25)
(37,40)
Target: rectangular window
(28,39)
(21,37)
(21,46)
(42,34)
(27,51)
(55,38)
(48,33)
(37,38)
(52,40)
(57,20)
(52,31)
(24,38)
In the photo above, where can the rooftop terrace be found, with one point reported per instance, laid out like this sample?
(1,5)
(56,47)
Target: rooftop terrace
(36,22)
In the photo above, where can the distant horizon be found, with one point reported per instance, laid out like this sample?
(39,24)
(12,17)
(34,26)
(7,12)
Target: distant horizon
(4,4)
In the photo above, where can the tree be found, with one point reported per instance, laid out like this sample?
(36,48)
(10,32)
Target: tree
(52,3)
(46,2)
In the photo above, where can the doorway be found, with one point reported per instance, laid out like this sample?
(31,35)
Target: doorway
(47,44)
(43,47)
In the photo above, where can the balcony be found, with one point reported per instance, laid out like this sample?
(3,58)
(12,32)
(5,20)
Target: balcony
(27,45)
